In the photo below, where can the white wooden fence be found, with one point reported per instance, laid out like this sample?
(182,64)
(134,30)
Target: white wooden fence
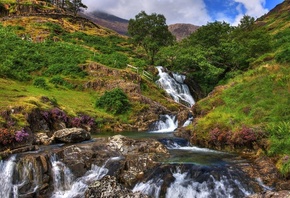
(141,72)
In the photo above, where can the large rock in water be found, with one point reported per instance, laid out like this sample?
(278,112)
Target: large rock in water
(71,135)
(108,187)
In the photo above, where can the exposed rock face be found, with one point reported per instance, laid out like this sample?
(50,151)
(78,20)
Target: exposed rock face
(271,194)
(126,160)
(108,187)
(181,30)
(71,135)
(140,156)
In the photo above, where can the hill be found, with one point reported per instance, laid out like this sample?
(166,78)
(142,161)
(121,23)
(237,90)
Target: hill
(56,66)
(107,20)
(250,113)
(182,30)
(179,30)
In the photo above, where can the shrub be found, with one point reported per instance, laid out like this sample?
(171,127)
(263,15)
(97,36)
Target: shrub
(115,101)
(21,135)
(244,137)
(283,56)
(40,83)
(219,137)
(83,120)
(58,80)
(55,114)
(6,136)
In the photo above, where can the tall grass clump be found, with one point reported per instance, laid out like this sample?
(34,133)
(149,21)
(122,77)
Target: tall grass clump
(279,138)
(279,145)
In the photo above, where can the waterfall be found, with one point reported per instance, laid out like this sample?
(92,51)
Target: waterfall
(65,183)
(175,87)
(151,187)
(188,121)
(194,181)
(6,173)
(166,123)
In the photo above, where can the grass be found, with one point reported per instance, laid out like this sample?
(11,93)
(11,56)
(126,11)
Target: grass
(14,94)
(258,99)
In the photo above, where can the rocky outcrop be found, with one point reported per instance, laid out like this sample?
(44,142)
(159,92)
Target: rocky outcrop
(71,135)
(271,194)
(126,160)
(140,156)
(108,187)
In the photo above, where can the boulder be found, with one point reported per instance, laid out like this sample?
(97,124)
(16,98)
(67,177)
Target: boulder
(71,135)
(108,187)
(42,139)
(140,156)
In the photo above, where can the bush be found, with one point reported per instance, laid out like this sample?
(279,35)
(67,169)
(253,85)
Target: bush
(83,120)
(55,114)
(40,83)
(283,56)
(245,137)
(58,80)
(6,136)
(115,101)
(21,135)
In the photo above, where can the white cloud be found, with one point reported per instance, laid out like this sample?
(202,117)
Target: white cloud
(253,8)
(182,11)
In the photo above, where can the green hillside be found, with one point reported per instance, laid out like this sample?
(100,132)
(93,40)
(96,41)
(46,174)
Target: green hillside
(51,60)
(252,110)
(60,61)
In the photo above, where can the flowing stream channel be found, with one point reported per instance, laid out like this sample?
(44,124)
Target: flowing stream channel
(189,172)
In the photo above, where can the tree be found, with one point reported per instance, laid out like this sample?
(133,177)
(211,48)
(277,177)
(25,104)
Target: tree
(75,6)
(150,32)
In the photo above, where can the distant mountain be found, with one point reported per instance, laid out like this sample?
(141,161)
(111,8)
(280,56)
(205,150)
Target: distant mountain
(109,21)
(180,30)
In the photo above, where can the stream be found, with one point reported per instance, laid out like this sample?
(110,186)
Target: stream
(189,171)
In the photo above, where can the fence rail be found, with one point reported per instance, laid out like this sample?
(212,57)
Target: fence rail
(142,72)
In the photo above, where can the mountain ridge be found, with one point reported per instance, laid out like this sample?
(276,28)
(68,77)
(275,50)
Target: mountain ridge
(120,25)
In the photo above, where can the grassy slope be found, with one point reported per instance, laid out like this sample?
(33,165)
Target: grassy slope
(253,110)
(59,43)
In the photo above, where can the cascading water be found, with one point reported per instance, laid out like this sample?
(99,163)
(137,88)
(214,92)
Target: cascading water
(196,172)
(175,87)
(22,177)
(6,172)
(65,183)
(166,123)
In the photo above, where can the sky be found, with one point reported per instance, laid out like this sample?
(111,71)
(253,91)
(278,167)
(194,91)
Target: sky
(196,12)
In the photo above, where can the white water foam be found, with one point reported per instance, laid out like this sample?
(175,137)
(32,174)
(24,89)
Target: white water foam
(6,172)
(150,187)
(192,189)
(175,87)
(65,184)
(187,122)
(165,125)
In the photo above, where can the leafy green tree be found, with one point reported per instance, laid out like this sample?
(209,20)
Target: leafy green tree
(211,35)
(246,23)
(150,32)
(75,6)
